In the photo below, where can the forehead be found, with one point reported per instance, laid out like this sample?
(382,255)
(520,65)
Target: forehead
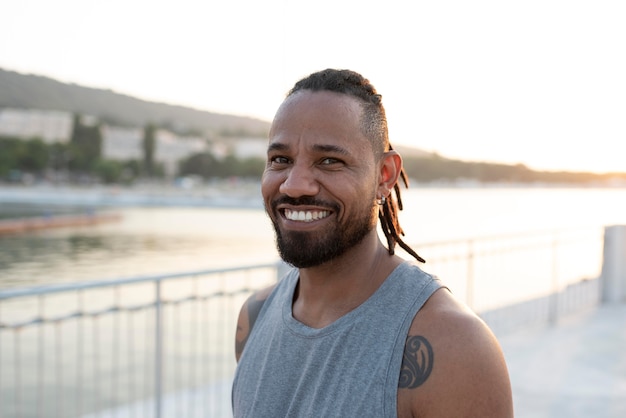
(319,115)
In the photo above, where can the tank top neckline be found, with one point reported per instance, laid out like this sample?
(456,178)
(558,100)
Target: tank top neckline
(305,331)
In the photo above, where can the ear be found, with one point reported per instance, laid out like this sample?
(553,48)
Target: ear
(390,168)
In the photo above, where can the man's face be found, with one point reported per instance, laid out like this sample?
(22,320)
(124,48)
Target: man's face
(320,182)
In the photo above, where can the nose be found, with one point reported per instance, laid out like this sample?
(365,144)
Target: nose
(300,181)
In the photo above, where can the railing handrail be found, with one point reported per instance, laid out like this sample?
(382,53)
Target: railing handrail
(510,235)
(73,286)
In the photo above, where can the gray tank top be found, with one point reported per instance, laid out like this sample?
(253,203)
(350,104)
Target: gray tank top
(349,368)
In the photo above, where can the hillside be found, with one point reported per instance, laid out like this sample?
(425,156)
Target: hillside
(432,168)
(38,92)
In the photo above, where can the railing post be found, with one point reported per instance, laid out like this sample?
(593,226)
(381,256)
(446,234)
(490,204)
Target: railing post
(554,294)
(158,351)
(613,278)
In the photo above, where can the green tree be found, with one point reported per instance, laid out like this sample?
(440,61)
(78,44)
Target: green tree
(85,145)
(8,155)
(34,155)
(59,156)
(149,148)
(30,155)
(251,167)
(109,171)
(132,170)
(204,165)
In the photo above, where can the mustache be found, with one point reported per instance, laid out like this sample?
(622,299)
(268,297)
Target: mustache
(303,201)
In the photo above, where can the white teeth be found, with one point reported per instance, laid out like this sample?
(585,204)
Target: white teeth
(305,216)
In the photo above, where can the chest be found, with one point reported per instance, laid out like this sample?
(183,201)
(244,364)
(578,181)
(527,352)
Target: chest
(348,371)
(349,368)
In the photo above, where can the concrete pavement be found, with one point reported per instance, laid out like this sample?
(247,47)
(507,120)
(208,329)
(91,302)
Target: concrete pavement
(576,368)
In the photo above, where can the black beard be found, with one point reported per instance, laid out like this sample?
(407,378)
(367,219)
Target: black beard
(303,249)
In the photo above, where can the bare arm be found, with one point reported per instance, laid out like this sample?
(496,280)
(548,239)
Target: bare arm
(247,317)
(453,366)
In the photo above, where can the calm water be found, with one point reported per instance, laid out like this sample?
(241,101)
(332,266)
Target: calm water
(160,240)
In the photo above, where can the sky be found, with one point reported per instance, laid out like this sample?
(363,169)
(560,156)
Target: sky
(535,82)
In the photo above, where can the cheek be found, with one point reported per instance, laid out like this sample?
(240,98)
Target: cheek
(270,182)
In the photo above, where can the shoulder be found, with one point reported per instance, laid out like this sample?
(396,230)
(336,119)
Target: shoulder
(452,364)
(247,317)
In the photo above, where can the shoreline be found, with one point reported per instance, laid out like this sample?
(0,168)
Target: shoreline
(22,225)
(228,195)
(234,193)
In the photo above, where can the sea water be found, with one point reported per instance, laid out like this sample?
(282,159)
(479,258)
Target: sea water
(157,240)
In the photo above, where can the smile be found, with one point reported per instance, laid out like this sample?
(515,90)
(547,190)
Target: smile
(305,215)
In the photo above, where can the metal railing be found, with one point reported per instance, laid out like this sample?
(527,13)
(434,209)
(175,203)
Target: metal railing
(71,350)
(157,346)
(498,271)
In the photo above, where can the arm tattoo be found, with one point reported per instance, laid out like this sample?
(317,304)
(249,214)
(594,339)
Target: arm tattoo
(417,362)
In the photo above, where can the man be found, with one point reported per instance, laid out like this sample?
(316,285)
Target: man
(354,330)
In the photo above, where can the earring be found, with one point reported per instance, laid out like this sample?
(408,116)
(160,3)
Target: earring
(382,200)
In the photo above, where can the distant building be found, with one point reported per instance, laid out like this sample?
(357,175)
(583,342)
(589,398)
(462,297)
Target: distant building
(171,149)
(127,144)
(122,143)
(241,148)
(118,143)
(48,125)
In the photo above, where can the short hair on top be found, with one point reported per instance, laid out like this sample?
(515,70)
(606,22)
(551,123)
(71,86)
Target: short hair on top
(374,127)
(373,119)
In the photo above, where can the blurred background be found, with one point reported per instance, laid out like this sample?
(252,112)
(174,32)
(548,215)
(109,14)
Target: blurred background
(132,141)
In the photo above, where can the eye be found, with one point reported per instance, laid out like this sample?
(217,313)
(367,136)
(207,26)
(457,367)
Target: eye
(330,161)
(278,160)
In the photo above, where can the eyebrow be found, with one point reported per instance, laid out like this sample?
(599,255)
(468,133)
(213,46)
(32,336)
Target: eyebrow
(277,146)
(331,148)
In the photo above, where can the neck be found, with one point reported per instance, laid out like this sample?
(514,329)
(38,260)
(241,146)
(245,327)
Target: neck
(329,291)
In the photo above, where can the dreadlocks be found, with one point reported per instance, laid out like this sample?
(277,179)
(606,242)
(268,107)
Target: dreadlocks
(374,127)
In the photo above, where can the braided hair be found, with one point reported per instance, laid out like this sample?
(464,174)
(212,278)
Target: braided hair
(374,127)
